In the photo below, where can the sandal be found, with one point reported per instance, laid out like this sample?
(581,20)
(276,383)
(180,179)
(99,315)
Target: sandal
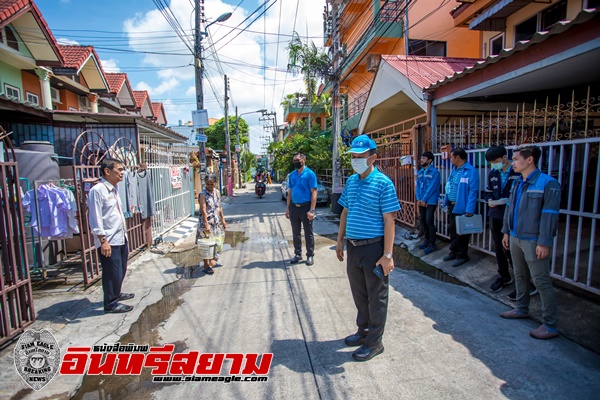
(208,271)
(120,308)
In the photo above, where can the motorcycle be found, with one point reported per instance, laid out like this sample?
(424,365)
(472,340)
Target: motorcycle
(260,188)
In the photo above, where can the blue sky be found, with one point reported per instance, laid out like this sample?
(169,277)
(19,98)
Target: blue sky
(125,33)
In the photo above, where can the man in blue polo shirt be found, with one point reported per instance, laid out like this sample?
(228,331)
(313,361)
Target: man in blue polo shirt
(301,202)
(367,221)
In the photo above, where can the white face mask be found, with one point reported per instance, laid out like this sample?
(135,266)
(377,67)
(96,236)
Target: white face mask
(359,165)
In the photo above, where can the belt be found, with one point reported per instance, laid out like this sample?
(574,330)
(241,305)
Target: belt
(301,204)
(364,242)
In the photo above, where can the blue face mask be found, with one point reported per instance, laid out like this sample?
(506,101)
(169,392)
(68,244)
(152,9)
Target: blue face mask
(497,166)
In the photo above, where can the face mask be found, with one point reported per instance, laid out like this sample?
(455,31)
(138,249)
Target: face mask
(497,166)
(297,164)
(359,165)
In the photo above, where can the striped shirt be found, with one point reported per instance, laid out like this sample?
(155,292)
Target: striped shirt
(453,182)
(367,200)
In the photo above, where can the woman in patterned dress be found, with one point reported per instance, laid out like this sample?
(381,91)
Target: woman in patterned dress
(211,219)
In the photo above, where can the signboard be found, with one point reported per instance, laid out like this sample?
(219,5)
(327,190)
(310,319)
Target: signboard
(237,148)
(176,177)
(201,138)
(200,119)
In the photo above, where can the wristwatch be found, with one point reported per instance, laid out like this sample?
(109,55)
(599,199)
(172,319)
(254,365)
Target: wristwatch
(102,240)
(388,255)
(312,211)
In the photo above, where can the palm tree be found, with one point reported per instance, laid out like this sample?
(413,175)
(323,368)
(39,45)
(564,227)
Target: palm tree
(311,62)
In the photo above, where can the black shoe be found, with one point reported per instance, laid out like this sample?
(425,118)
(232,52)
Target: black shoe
(424,245)
(365,353)
(532,292)
(296,260)
(310,260)
(460,261)
(126,296)
(120,308)
(500,283)
(450,257)
(354,340)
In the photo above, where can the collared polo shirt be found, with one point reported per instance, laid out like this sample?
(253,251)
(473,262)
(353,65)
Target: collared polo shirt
(301,185)
(105,214)
(367,200)
(504,177)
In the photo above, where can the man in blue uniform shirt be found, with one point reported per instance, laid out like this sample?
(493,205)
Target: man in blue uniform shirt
(530,225)
(367,221)
(301,202)
(461,199)
(427,194)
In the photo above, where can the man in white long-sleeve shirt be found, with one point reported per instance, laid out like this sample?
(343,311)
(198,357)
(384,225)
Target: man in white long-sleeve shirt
(107,224)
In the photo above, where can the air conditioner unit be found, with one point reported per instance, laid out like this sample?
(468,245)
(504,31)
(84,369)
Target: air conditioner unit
(373,62)
(55,95)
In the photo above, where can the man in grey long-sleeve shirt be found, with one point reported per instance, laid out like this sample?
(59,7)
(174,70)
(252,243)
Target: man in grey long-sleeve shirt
(107,224)
(530,225)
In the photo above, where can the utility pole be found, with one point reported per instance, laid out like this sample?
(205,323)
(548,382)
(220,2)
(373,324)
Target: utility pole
(228,139)
(237,146)
(199,70)
(336,127)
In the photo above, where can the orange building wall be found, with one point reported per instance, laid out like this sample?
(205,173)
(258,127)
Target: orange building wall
(440,26)
(31,84)
(67,99)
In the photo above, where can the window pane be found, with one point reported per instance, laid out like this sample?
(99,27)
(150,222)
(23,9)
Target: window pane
(526,30)
(11,39)
(496,45)
(552,15)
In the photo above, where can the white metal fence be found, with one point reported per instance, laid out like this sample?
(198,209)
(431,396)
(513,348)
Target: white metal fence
(574,163)
(173,181)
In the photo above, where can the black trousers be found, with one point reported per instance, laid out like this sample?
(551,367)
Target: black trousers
(502,255)
(459,244)
(369,292)
(426,217)
(113,274)
(300,220)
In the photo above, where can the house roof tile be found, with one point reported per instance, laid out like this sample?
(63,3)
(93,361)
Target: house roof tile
(426,71)
(157,108)
(10,9)
(115,81)
(140,96)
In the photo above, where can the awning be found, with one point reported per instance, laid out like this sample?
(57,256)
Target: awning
(494,18)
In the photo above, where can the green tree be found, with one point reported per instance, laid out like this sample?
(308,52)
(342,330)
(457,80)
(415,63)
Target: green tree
(309,60)
(248,161)
(216,134)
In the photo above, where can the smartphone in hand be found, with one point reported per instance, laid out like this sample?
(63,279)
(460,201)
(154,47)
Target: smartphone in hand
(378,270)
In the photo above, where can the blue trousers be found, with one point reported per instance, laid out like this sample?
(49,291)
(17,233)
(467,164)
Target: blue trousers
(113,274)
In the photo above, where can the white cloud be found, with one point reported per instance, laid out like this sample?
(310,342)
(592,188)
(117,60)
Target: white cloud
(165,86)
(110,65)
(251,88)
(66,41)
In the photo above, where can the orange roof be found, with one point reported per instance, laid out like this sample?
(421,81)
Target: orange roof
(76,56)
(140,96)
(157,108)
(426,71)
(115,81)
(13,9)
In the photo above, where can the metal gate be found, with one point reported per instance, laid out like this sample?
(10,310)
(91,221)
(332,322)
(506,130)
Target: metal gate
(568,134)
(88,152)
(398,147)
(16,299)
